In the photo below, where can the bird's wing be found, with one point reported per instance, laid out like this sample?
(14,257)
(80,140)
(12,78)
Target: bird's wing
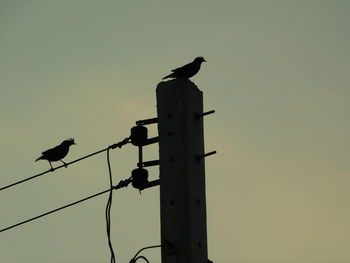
(50,150)
(45,152)
(183,68)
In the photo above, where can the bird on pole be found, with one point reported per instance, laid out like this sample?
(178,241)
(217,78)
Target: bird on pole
(187,71)
(57,153)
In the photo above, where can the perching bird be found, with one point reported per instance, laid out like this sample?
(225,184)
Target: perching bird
(57,153)
(187,71)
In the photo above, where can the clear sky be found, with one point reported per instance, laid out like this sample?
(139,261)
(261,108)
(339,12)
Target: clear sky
(277,75)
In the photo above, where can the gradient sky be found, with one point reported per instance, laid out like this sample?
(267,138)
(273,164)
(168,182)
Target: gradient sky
(277,76)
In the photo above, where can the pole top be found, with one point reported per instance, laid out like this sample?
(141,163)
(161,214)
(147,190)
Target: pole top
(178,84)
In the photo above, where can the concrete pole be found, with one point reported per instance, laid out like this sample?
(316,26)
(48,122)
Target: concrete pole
(182,175)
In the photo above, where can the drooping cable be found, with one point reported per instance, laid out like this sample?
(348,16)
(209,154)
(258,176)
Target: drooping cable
(141,257)
(136,257)
(138,252)
(108,209)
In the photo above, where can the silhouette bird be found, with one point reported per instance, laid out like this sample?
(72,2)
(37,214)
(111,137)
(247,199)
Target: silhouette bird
(57,153)
(187,71)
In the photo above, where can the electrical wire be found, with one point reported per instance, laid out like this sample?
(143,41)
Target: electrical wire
(108,209)
(113,146)
(135,258)
(121,184)
(143,257)
(138,252)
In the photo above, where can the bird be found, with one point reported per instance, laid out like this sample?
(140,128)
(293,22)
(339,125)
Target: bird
(187,71)
(57,153)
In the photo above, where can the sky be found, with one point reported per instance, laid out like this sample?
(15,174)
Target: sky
(276,74)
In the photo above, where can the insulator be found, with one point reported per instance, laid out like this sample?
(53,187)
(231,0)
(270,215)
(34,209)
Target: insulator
(138,135)
(139,178)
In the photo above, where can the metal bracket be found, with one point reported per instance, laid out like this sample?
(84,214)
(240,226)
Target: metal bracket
(151,140)
(152,184)
(197,116)
(148,163)
(198,157)
(147,121)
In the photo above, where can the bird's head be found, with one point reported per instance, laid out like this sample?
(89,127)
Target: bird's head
(68,142)
(199,60)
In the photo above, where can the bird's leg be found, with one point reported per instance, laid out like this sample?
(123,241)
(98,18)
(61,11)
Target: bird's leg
(51,167)
(65,164)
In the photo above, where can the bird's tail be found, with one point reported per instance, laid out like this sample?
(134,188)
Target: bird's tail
(169,76)
(40,158)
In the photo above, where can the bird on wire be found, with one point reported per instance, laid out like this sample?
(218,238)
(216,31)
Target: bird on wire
(187,71)
(57,153)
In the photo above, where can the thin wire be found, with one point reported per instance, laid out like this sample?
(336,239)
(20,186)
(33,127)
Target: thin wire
(119,144)
(138,252)
(108,209)
(135,258)
(143,257)
(123,183)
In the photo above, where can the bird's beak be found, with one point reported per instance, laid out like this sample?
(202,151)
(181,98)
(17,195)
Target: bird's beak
(204,60)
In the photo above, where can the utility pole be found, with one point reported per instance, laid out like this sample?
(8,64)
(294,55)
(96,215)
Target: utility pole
(182,172)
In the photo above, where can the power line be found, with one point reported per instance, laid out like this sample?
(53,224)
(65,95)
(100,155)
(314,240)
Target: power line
(121,184)
(138,252)
(113,146)
(135,258)
(108,209)
(141,257)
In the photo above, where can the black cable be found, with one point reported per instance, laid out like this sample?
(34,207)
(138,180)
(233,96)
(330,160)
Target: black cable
(119,145)
(123,183)
(138,252)
(135,258)
(108,209)
(143,257)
